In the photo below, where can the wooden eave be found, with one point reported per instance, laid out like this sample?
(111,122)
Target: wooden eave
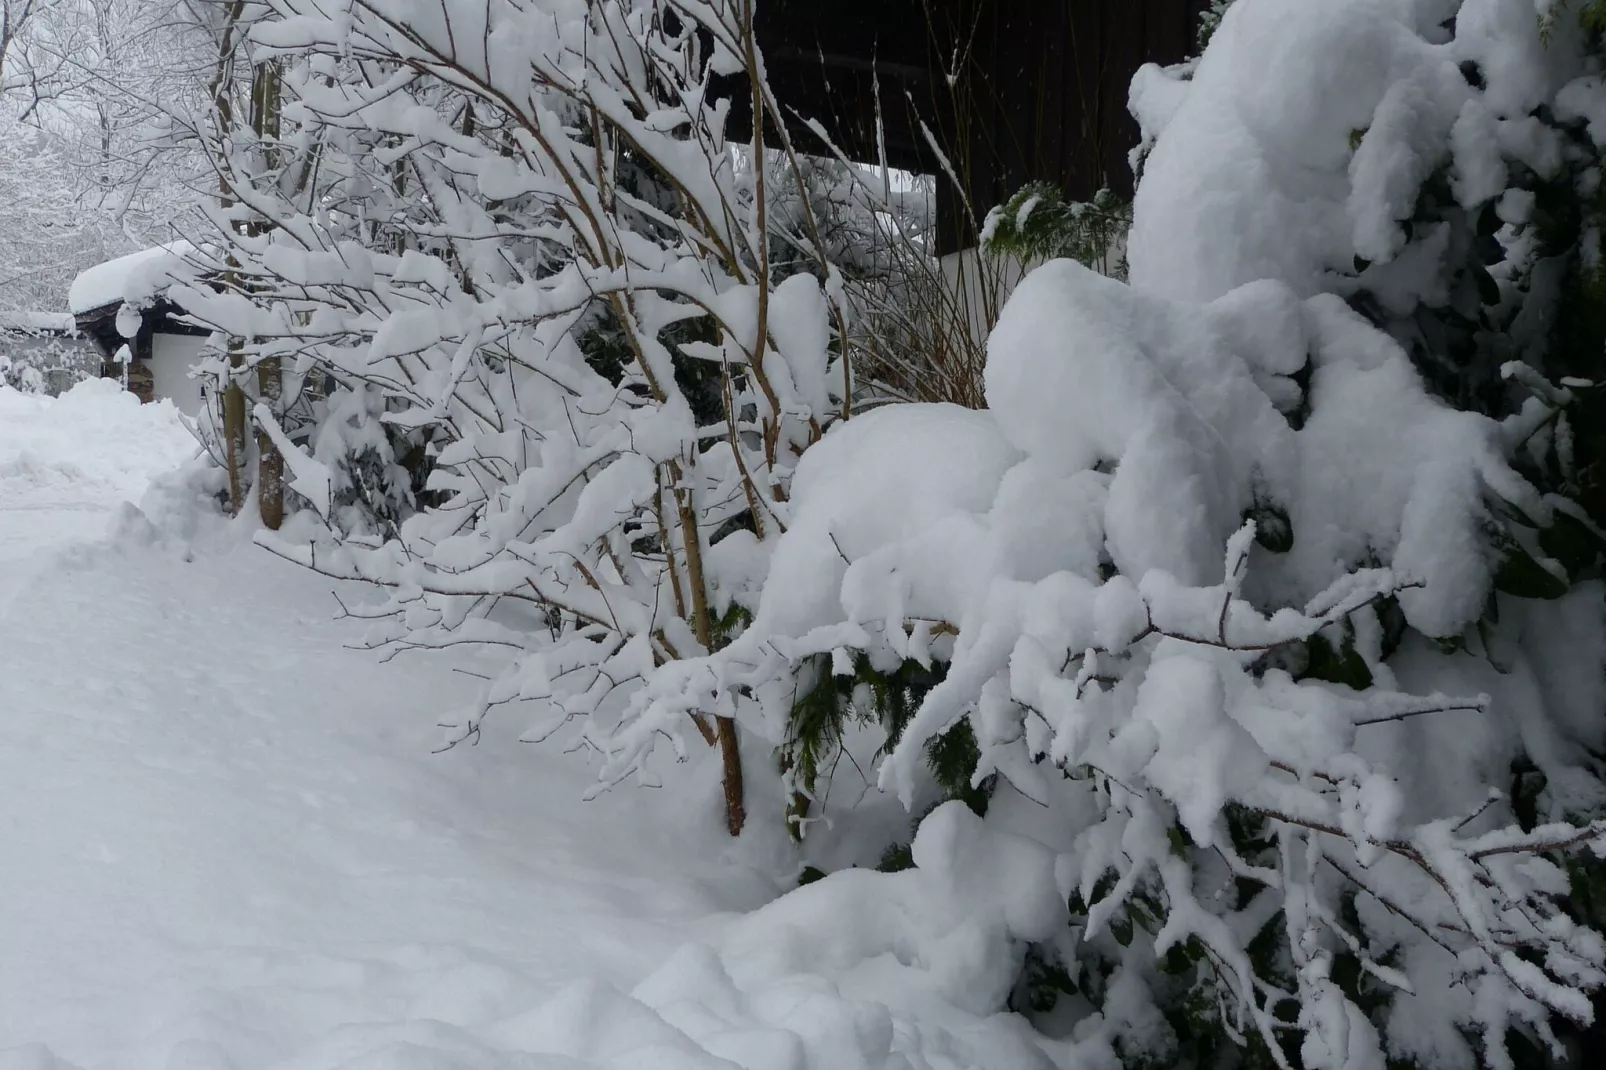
(1009,90)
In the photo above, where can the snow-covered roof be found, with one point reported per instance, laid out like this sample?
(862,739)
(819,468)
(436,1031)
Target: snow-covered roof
(38,322)
(111,282)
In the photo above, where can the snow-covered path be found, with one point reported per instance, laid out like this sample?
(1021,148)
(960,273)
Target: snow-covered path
(224,840)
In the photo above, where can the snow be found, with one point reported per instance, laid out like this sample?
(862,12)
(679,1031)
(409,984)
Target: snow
(887,476)
(235,844)
(37,322)
(66,465)
(243,846)
(1084,369)
(135,277)
(799,319)
(1585,98)
(1248,182)
(232,843)
(1201,756)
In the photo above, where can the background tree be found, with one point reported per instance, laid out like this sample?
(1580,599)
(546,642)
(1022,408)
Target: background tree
(102,105)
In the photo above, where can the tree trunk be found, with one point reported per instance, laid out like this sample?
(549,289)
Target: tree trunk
(270,463)
(234,430)
(731,757)
(265,98)
(234,416)
(702,620)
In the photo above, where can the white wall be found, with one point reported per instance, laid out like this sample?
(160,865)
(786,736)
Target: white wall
(979,286)
(172,355)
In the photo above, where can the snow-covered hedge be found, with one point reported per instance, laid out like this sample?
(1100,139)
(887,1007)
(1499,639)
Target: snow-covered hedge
(1271,575)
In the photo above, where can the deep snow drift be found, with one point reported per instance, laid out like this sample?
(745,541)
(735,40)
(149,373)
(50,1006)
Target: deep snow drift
(65,465)
(226,841)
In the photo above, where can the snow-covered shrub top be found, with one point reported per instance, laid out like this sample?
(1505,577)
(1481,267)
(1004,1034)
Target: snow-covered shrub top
(1305,133)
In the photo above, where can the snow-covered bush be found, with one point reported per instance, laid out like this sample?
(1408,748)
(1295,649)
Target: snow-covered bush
(1273,576)
(40,352)
(22,377)
(566,383)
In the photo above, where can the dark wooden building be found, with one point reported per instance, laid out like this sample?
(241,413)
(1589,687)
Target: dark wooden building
(1011,90)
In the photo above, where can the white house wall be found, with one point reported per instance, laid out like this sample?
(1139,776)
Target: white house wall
(172,357)
(979,286)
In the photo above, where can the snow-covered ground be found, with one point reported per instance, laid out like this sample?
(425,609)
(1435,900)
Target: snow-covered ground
(225,840)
